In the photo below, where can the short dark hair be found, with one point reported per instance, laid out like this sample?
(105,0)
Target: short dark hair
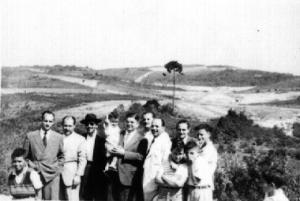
(183,121)
(132,115)
(190,145)
(177,145)
(113,115)
(72,117)
(149,112)
(47,112)
(273,178)
(18,152)
(204,126)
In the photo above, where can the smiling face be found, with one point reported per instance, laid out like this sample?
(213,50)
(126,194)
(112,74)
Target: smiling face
(157,127)
(182,130)
(68,126)
(131,124)
(48,121)
(177,155)
(147,120)
(203,136)
(19,163)
(193,153)
(91,127)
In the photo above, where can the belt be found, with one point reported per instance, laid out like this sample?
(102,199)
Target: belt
(170,187)
(23,197)
(198,187)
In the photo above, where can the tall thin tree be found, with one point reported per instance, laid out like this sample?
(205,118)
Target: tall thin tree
(174,67)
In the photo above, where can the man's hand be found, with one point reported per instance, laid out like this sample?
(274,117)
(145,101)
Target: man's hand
(119,151)
(76,181)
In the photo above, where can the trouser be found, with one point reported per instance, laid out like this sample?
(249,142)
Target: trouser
(69,193)
(94,184)
(50,190)
(197,194)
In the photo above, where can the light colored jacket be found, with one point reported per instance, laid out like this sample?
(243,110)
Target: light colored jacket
(75,157)
(46,160)
(158,153)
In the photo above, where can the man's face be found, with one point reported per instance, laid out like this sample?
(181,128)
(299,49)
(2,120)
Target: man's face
(177,156)
(156,127)
(182,130)
(19,163)
(91,127)
(131,124)
(193,154)
(68,126)
(114,122)
(48,121)
(147,120)
(203,136)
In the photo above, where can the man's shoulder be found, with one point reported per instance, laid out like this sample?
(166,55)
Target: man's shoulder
(32,133)
(56,134)
(79,137)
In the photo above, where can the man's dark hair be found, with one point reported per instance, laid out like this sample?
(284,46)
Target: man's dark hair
(47,112)
(177,146)
(204,126)
(132,115)
(113,115)
(190,145)
(273,178)
(18,152)
(72,117)
(183,121)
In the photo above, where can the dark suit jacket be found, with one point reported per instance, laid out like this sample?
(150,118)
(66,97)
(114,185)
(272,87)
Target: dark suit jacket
(130,166)
(46,160)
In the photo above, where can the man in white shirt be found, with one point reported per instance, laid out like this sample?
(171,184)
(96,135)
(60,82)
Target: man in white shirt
(75,160)
(159,150)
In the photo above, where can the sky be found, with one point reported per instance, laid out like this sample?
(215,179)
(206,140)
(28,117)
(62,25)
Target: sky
(252,34)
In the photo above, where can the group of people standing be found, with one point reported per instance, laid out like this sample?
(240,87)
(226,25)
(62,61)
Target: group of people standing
(139,163)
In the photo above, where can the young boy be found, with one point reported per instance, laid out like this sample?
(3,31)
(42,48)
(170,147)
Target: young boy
(23,182)
(199,179)
(112,133)
(173,175)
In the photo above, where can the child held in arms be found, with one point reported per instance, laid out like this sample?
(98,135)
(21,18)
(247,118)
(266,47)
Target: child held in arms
(271,185)
(173,175)
(199,179)
(112,133)
(24,183)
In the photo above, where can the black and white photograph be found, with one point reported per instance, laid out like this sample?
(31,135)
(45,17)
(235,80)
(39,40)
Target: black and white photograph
(150,100)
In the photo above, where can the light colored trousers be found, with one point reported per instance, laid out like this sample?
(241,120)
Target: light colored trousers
(50,190)
(70,193)
(200,194)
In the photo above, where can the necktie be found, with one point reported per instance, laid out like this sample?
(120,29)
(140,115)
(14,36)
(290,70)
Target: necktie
(150,145)
(45,139)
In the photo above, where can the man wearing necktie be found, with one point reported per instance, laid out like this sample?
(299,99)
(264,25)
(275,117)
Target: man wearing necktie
(131,153)
(44,151)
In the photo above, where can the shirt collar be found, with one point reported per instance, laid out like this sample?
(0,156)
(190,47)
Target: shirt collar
(21,173)
(42,133)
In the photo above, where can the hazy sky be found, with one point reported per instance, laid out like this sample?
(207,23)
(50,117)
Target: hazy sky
(257,34)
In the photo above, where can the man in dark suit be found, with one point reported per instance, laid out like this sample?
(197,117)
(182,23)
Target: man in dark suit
(94,183)
(131,153)
(44,151)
